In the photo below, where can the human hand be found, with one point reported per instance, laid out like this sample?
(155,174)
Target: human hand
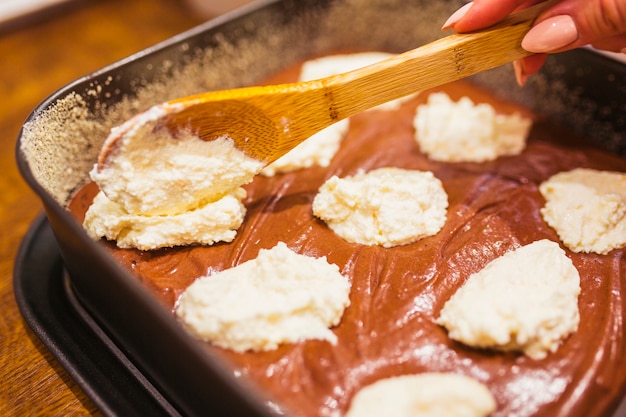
(567,25)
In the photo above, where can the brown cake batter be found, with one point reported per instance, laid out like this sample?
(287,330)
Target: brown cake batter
(397,293)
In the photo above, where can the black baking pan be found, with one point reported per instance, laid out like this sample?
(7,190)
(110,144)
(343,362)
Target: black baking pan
(60,141)
(45,298)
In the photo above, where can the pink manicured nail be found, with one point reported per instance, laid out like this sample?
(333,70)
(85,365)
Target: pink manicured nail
(551,34)
(456,16)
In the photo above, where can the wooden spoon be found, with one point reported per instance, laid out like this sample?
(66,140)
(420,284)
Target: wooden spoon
(266,122)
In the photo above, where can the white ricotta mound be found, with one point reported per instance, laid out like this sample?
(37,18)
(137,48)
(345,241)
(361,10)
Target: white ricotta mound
(386,206)
(466,132)
(158,190)
(211,223)
(587,209)
(153,173)
(320,148)
(424,395)
(526,300)
(279,297)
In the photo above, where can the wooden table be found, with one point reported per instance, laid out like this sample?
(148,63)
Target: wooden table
(35,60)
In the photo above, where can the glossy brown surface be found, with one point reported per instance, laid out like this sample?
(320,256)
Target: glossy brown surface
(396,294)
(38,57)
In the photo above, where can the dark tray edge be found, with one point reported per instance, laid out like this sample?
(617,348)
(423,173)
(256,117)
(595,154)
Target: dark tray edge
(48,306)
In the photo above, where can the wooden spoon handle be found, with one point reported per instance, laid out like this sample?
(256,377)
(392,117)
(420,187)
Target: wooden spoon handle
(448,59)
(267,122)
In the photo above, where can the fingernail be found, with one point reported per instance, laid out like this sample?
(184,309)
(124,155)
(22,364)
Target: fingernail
(551,34)
(456,16)
(520,74)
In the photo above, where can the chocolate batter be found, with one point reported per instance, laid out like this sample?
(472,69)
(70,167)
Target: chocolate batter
(397,293)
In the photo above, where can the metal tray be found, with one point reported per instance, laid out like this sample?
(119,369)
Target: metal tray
(44,295)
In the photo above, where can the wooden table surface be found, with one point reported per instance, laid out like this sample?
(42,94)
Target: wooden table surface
(35,60)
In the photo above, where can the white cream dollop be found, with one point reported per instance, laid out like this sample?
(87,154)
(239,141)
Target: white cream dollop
(160,190)
(466,132)
(279,297)
(387,206)
(151,172)
(213,222)
(424,395)
(525,300)
(587,209)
